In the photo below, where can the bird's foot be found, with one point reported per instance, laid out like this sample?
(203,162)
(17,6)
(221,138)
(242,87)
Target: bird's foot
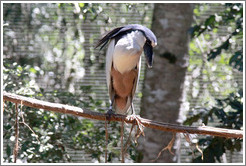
(137,119)
(109,113)
(133,117)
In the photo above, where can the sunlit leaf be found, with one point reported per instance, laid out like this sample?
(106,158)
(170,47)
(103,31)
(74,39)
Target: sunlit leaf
(236,61)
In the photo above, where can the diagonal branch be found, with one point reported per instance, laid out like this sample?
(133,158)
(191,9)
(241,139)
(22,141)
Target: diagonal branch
(76,111)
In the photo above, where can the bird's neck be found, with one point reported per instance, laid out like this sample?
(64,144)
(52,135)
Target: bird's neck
(128,50)
(139,37)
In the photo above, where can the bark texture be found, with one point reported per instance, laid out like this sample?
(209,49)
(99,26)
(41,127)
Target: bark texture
(164,83)
(76,111)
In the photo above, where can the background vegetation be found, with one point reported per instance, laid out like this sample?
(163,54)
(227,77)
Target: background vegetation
(48,50)
(223,52)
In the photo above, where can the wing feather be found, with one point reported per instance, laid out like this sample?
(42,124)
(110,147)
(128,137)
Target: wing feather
(109,62)
(111,37)
(104,40)
(135,85)
(117,31)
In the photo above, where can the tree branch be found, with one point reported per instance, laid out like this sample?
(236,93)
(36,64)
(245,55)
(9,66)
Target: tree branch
(66,109)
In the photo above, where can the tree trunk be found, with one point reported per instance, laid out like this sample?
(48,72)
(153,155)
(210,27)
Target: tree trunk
(163,91)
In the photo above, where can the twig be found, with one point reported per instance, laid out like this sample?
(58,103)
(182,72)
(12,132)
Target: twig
(16,148)
(129,138)
(106,140)
(122,143)
(168,147)
(197,147)
(23,122)
(188,139)
(65,109)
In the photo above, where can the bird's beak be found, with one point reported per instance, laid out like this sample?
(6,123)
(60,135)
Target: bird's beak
(148,51)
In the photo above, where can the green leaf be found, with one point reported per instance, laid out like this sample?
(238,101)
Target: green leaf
(81,5)
(7,127)
(191,120)
(236,61)
(8,150)
(210,20)
(217,51)
(33,70)
(196,12)
(238,145)
(19,68)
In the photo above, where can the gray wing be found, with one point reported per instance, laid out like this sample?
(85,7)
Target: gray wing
(104,40)
(117,31)
(109,62)
(135,85)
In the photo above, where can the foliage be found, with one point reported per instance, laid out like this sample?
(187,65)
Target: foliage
(229,112)
(216,147)
(232,14)
(50,143)
(55,132)
(44,57)
(226,112)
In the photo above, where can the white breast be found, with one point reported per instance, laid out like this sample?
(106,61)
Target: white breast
(128,50)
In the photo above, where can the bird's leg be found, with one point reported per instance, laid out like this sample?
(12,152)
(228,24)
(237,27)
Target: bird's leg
(133,110)
(133,116)
(110,112)
(137,120)
(108,116)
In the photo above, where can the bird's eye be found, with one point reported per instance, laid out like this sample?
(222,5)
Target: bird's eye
(148,42)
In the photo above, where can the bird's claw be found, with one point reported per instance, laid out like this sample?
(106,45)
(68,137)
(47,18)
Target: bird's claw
(133,117)
(109,114)
(137,120)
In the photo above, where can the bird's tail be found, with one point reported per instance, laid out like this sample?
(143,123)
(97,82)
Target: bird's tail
(121,105)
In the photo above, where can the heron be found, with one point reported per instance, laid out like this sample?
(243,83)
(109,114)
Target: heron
(123,63)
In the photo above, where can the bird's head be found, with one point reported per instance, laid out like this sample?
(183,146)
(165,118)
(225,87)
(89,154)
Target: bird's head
(150,43)
(151,40)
